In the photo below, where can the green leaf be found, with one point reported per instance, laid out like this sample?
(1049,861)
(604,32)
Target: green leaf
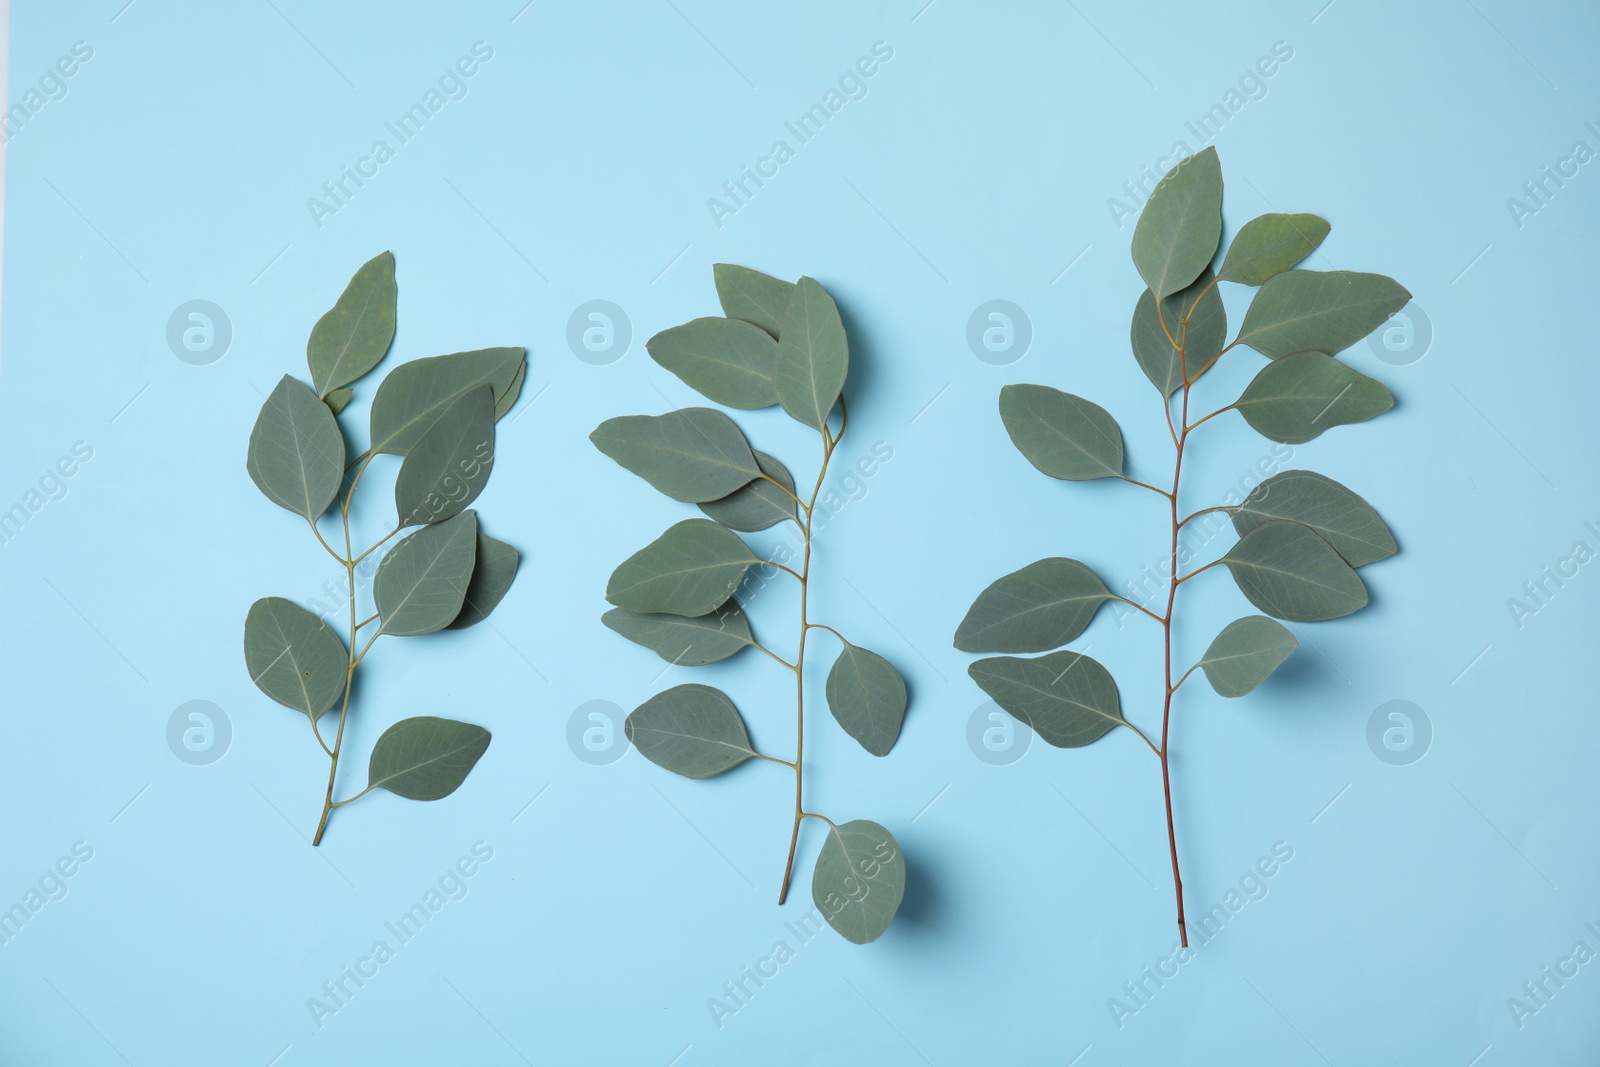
(338,400)
(752,296)
(450,463)
(422,582)
(859,880)
(1245,653)
(296,451)
(813,356)
(692,730)
(293,656)
(1297,397)
(868,697)
(1181,223)
(1269,245)
(1042,606)
(1065,436)
(1339,516)
(354,335)
(425,758)
(691,569)
(728,360)
(693,455)
(1208,329)
(413,395)
(760,503)
(685,640)
(505,401)
(494,568)
(1318,311)
(1068,699)
(1289,572)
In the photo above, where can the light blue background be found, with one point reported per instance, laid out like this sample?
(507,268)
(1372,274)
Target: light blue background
(1419,898)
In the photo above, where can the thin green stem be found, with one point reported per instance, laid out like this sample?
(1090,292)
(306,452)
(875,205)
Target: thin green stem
(1143,737)
(824,818)
(786,489)
(775,759)
(1208,418)
(352,800)
(774,655)
(1166,633)
(369,619)
(379,545)
(831,630)
(1188,381)
(324,542)
(368,648)
(317,733)
(1185,677)
(1144,485)
(1203,511)
(350,671)
(1196,572)
(788,570)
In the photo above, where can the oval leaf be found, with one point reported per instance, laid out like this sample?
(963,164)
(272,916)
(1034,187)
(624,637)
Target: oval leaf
(494,568)
(425,758)
(692,730)
(691,569)
(813,356)
(296,451)
(354,335)
(693,455)
(450,463)
(760,503)
(1270,244)
(1065,436)
(293,656)
(1245,653)
(1289,572)
(1339,516)
(1318,311)
(1207,330)
(422,582)
(752,296)
(728,360)
(1297,397)
(1181,223)
(686,640)
(859,880)
(338,400)
(868,697)
(413,395)
(1068,699)
(1042,606)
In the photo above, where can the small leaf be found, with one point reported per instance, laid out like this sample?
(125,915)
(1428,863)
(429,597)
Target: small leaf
(691,569)
(1269,245)
(1042,606)
(1207,330)
(1068,699)
(296,451)
(693,455)
(422,582)
(758,504)
(506,400)
(752,296)
(1339,516)
(868,697)
(493,570)
(425,758)
(1297,397)
(1065,436)
(1289,572)
(450,463)
(1318,311)
(338,400)
(692,730)
(354,335)
(859,880)
(685,640)
(413,395)
(1245,653)
(728,360)
(813,356)
(293,656)
(1181,223)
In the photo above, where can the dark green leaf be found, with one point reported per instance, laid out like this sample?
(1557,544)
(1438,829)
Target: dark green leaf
(1207,330)
(685,640)
(296,451)
(1065,436)
(421,583)
(752,296)
(493,571)
(1339,516)
(1042,606)
(1297,397)
(859,880)
(1289,572)
(1269,245)
(728,360)
(1245,653)
(691,569)
(1318,311)
(760,503)
(868,697)
(1180,225)
(692,730)
(425,758)
(293,656)
(1068,699)
(354,335)
(693,455)
(415,394)
(813,356)
(505,401)
(450,463)
(338,400)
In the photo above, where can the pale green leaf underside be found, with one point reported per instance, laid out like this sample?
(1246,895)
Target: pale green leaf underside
(691,569)
(1296,398)
(293,656)
(1063,435)
(727,360)
(1289,572)
(692,730)
(339,399)
(859,881)
(1270,244)
(1245,653)
(685,640)
(752,296)
(422,583)
(1318,311)
(493,570)
(1042,606)
(692,455)
(1339,516)
(1207,330)
(868,698)
(296,455)
(1180,225)
(354,335)
(1067,698)
(759,503)
(413,395)
(425,758)
(813,356)
(450,463)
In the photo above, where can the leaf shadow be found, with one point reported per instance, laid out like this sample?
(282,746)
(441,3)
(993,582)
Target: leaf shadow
(923,903)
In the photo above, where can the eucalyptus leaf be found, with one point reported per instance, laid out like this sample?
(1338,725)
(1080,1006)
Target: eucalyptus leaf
(1067,698)
(685,640)
(296,453)
(759,504)
(727,360)
(1180,225)
(338,400)
(691,569)
(859,881)
(1318,311)
(1296,398)
(692,455)
(1158,357)
(1339,516)
(355,334)
(752,296)
(692,730)
(1042,606)
(507,400)
(294,657)
(1065,436)
(413,395)
(813,356)
(1270,244)
(494,568)
(425,758)
(450,463)
(868,698)
(1289,572)
(1245,653)
(421,584)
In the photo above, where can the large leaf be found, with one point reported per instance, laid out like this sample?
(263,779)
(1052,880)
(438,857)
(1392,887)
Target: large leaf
(494,568)
(760,503)
(1246,651)
(1042,606)
(728,360)
(693,455)
(425,758)
(293,656)
(1207,330)
(1065,436)
(1318,311)
(422,583)
(1339,516)
(1068,699)
(1269,245)
(296,451)
(1289,572)
(686,640)
(1181,223)
(859,880)
(414,395)
(354,335)
(692,730)
(691,569)
(813,356)
(450,463)
(868,697)
(752,296)
(1297,397)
